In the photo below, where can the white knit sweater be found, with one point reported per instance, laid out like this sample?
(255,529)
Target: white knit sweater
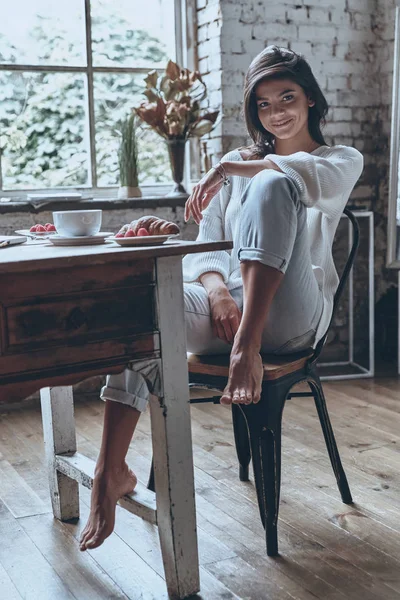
(325,179)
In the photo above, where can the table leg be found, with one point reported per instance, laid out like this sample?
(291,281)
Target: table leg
(172,441)
(59,438)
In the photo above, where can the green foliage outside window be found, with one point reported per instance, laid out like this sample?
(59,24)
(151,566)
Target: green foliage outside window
(50,109)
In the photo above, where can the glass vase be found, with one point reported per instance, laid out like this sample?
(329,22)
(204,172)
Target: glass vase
(176,152)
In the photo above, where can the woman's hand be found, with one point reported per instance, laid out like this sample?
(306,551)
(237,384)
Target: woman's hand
(202,194)
(225,315)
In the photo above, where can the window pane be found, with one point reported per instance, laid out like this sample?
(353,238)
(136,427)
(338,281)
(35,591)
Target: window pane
(126,33)
(115,95)
(49,109)
(43,32)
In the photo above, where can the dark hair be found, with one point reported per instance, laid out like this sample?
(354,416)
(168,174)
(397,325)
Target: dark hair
(280,63)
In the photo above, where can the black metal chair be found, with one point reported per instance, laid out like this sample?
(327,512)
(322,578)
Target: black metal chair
(257,427)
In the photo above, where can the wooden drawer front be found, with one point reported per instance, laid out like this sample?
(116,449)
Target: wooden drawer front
(86,278)
(80,318)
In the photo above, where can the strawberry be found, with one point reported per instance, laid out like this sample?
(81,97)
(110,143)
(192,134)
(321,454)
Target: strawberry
(130,233)
(51,227)
(33,228)
(119,235)
(40,228)
(142,231)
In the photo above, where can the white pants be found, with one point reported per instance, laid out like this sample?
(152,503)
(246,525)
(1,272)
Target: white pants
(273,232)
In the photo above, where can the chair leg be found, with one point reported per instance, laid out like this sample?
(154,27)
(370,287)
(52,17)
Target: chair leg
(265,427)
(242,442)
(330,441)
(150,484)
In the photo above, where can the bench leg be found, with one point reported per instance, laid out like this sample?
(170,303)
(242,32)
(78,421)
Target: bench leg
(59,438)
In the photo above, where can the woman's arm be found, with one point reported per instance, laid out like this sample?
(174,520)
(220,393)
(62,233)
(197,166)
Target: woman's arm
(247,168)
(213,282)
(225,314)
(211,229)
(212,183)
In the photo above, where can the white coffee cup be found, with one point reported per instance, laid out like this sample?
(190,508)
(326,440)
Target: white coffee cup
(76,223)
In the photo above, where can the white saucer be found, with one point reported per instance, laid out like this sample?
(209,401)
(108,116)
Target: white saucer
(142,240)
(85,240)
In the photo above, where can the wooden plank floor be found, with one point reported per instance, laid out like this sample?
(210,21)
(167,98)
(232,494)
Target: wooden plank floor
(329,551)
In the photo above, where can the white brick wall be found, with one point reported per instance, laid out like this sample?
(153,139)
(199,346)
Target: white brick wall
(335,36)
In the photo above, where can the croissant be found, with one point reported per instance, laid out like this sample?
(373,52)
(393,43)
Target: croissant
(124,228)
(154,225)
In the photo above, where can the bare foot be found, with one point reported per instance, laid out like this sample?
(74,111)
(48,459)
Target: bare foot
(245,377)
(108,488)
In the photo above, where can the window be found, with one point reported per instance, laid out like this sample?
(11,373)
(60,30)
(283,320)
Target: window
(69,72)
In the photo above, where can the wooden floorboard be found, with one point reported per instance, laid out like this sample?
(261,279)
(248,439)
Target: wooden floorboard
(329,551)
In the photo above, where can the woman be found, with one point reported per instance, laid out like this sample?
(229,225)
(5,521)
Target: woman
(274,292)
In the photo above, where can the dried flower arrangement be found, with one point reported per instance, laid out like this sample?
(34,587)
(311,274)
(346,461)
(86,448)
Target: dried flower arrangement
(173,104)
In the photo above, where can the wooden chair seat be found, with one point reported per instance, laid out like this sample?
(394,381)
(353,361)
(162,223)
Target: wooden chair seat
(275,366)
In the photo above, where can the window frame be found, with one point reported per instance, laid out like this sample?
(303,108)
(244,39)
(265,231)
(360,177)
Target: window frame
(185,49)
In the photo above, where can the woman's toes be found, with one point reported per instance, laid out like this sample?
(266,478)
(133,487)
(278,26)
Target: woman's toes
(96,537)
(242,396)
(82,543)
(84,536)
(226,398)
(236,397)
(95,541)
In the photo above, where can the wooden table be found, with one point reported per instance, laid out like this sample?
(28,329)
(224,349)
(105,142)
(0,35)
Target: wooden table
(67,313)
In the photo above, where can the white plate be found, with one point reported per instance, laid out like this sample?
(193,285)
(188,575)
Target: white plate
(11,240)
(143,240)
(34,234)
(87,240)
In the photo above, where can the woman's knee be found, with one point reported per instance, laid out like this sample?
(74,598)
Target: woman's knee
(270,187)
(271,178)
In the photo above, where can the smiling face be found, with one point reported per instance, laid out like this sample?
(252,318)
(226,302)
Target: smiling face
(283,108)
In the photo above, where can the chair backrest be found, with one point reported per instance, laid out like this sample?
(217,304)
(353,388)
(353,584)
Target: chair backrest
(342,282)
